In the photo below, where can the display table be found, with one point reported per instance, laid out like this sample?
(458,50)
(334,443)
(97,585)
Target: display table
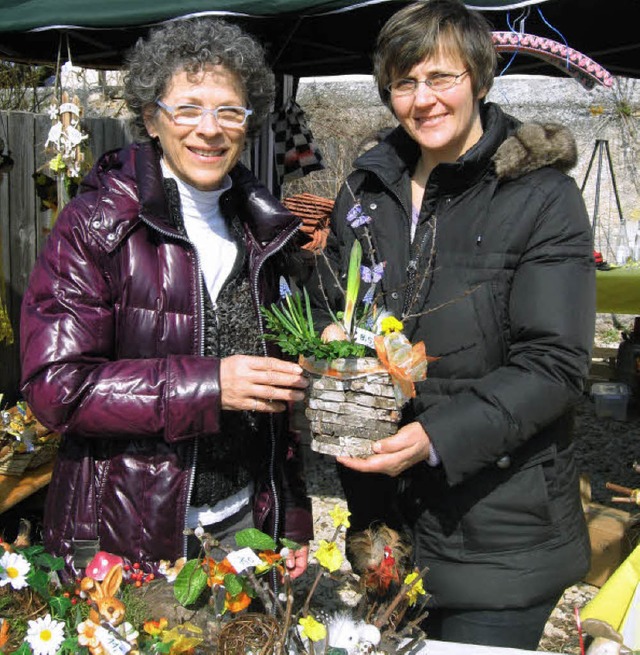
(618,291)
(15,488)
(432,647)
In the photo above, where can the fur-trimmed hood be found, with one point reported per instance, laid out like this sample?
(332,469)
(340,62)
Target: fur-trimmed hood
(508,148)
(534,146)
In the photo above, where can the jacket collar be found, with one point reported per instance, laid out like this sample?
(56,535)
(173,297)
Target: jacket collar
(265,216)
(397,155)
(507,149)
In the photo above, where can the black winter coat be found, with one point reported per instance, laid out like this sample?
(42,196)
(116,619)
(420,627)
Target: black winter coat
(499,283)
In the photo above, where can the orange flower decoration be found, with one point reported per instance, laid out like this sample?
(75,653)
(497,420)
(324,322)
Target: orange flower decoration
(87,636)
(217,570)
(4,632)
(237,603)
(155,628)
(270,559)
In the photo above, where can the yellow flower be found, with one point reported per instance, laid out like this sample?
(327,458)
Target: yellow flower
(416,589)
(340,517)
(391,324)
(312,629)
(329,556)
(183,638)
(154,628)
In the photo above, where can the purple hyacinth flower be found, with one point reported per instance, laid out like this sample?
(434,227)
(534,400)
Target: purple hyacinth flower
(284,288)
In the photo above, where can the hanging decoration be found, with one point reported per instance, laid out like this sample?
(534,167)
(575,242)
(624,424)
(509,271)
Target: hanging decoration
(586,71)
(66,143)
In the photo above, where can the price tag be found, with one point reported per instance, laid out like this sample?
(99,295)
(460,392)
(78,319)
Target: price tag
(365,337)
(243,559)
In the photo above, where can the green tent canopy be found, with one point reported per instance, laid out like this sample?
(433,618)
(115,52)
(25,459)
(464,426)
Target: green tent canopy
(305,37)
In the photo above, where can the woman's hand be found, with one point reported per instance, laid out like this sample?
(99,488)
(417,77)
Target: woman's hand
(259,384)
(296,562)
(395,454)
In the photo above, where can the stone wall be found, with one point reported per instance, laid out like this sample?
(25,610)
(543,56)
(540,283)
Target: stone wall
(343,111)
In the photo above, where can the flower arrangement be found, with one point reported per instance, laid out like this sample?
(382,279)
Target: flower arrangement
(362,368)
(24,441)
(363,328)
(101,613)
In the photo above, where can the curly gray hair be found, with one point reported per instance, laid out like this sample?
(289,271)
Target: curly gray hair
(191,45)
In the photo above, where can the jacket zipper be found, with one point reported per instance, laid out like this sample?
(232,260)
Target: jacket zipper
(192,468)
(272,433)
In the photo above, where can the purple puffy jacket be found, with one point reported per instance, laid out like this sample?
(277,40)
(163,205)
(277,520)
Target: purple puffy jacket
(111,341)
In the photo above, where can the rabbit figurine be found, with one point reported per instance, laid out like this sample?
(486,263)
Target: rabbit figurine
(106,632)
(106,607)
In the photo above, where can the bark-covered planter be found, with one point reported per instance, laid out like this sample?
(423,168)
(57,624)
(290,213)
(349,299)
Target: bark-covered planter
(350,406)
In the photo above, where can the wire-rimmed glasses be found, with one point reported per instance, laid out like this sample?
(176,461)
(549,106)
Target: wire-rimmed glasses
(438,82)
(225,115)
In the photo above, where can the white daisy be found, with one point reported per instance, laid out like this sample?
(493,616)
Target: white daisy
(13,569)
(45,636)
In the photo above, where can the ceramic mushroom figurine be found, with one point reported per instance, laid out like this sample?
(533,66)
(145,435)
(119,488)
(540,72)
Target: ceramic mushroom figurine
(106,631)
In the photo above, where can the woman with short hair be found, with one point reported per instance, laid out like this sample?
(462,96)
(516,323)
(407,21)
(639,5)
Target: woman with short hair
(486,250)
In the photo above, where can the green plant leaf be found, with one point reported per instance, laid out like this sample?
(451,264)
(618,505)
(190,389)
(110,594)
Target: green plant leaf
(233,584)
(59,606)
(190,583)
(288,543)
(39,581)
(307,304)
(48,561)
(353,285)
(253,538)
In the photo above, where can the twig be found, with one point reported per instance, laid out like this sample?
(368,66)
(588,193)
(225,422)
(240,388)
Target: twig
(399,596)
(323,254)
(314,586)
(444,304)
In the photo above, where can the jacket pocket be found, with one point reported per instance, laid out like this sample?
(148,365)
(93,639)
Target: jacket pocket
(515,515)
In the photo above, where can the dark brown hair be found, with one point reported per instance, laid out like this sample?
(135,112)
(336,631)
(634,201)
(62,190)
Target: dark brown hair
(422,30)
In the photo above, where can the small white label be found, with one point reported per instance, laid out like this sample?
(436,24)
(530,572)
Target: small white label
(111,643)
(243,559)
(364,337)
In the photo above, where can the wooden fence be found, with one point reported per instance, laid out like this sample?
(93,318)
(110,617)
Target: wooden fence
(23,224)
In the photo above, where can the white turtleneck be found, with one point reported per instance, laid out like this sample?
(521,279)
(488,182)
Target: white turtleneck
(207,230)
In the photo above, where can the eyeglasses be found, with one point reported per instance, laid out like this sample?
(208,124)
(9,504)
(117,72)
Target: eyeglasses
(226,116)
(437,82)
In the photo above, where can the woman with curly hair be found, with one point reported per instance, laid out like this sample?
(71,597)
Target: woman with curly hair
(142,341)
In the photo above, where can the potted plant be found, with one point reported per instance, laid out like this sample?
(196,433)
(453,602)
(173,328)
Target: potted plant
(360,382)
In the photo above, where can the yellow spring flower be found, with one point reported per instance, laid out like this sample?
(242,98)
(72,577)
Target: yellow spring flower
(391,324)
(155,628)
(183,638)
(329,556)
(312,629)
(340,517)
(416,589)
